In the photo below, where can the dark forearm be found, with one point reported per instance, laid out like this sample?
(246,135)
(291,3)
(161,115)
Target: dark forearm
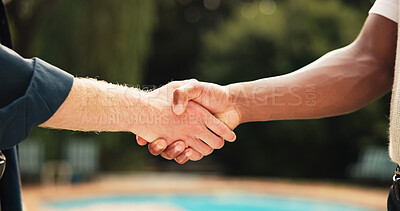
(337,83)
(340,82)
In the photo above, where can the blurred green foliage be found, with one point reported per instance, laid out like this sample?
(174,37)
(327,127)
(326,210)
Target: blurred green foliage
(109,40)
(153,42)
(106,39)
(264,44)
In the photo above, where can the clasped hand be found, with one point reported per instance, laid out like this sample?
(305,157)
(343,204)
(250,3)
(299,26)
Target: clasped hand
(199,119)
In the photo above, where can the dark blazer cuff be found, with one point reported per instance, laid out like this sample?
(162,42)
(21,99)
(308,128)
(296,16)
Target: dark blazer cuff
(48,89)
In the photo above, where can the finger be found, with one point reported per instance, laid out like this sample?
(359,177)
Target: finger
(202,132)
(173,150)
(196,156)
(199,146)
(219,128)
(183,94)
(157,146)
(210,139)
(184,156)
(140,141)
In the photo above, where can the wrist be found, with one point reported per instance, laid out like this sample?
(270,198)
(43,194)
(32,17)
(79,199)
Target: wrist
(136,112)
(250,101)
(149,111)
(237,100)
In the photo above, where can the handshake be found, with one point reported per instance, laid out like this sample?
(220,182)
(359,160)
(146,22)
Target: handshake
(187,120)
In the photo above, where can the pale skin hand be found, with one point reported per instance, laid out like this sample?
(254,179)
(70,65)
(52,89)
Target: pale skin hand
(340,82)
(98,106)
(213,97)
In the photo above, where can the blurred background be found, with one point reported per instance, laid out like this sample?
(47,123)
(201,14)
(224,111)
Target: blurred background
(148,43)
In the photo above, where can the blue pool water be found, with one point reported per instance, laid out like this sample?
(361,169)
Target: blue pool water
(227,202)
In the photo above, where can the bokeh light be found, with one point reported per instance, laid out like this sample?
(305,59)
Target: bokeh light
(212,4)
(267,7)
(249,11)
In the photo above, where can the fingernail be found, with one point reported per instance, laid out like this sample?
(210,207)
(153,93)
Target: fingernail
(160,146)
(178,148)
(188,154)
(178,108)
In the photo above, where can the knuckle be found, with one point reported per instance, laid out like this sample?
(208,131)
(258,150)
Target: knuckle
(193,84)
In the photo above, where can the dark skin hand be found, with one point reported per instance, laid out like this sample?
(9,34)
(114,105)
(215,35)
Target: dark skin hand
(345,80)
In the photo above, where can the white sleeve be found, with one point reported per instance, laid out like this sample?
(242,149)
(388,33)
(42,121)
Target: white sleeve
(387,8)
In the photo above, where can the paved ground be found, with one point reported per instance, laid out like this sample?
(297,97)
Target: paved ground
(191,184)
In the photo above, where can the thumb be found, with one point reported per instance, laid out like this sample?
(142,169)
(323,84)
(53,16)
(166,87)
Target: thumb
(183,94)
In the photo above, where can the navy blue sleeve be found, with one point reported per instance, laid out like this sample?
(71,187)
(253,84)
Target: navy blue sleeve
(31,91)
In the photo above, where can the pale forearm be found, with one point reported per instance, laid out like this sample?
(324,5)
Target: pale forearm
(98,106)
(340,82)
